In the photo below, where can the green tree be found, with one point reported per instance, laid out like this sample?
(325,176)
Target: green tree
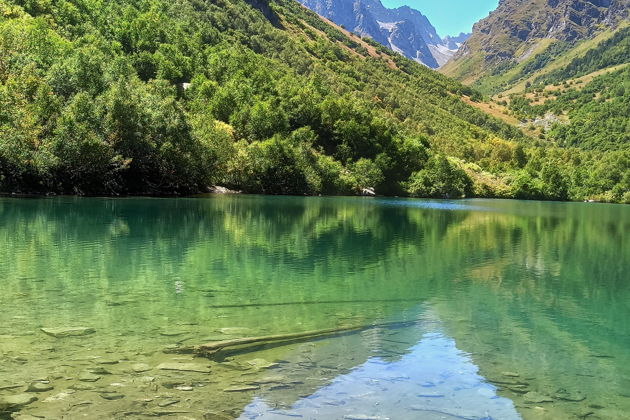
(440,179)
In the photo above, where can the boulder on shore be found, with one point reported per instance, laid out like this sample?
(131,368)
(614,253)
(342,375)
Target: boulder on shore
(216,189)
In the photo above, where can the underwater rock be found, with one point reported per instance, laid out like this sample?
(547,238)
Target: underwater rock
(111,396)
(25,417)
(140,367)
(15,402)
(563,394)
(39,387)
(274,379)
(241,388)
(519,389)
(99,371)
(108,362)
(510,374)
(82,387)
(173,333)
(89,377)
(68,331)
(185,367)
(167,403)
(234,330)
(173,384)
(10,386)
(261,364)
(61,396)
(536,398)
(218,416)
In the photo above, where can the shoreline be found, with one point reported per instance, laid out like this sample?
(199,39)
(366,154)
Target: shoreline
(239,193)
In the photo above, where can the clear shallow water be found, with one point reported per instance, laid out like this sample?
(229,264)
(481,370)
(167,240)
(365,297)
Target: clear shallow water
(518,309)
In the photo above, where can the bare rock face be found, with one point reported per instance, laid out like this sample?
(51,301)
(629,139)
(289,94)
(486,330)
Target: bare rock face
(516,22)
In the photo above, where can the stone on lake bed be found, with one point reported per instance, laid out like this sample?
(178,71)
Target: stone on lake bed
(108,362)
(563,394)
(81,387)
(278,379)
(10,386)
(63,332)
(15,402)
(234,330)
(111,396)
(39,387)
(510,374)
(185,367)
(173,333)
(25,417)
(261,363)
(536,398)
(89,377)
(241,388)
(99,371)
(60,396)
(519,389)
(140,367)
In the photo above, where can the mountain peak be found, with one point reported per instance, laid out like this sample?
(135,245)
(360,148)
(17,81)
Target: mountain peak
(404,30)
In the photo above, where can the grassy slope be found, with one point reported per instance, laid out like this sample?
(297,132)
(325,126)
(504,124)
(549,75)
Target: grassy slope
(559,62)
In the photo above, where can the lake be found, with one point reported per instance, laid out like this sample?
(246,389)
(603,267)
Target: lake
(473,309)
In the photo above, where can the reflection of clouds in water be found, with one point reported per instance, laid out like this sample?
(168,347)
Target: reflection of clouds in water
(434,381)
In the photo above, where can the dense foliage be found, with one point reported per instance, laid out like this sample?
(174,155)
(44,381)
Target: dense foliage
(156,96)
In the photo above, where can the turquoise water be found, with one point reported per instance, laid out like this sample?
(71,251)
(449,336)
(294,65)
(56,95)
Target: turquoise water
(486,309)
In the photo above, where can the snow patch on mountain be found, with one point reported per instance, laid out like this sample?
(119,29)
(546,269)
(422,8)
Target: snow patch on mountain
(404,30)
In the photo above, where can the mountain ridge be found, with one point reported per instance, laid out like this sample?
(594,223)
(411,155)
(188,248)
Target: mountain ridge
(520,29)
(404,30)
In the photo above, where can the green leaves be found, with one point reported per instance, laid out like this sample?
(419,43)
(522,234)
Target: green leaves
(440,179)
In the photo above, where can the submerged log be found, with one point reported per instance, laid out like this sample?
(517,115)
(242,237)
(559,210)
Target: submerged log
(218,350)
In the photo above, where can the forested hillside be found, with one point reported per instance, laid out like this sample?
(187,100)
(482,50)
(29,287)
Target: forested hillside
(157,96)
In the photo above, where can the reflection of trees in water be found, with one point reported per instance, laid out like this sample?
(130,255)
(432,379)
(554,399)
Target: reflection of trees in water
(288,244)
(296,233)
(550,298)
(221,251)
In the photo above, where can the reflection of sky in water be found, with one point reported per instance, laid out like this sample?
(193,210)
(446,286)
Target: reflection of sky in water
(433,381)
(432,204)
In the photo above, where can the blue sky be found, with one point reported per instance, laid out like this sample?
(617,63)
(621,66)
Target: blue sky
(450,17)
